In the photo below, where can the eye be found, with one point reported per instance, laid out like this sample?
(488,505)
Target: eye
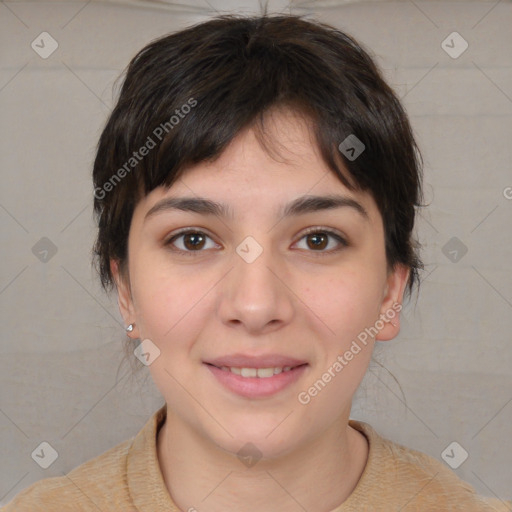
(190,241)
(318,239)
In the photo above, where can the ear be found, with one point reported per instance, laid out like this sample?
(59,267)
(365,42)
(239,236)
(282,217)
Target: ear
(124,298)
(392,302)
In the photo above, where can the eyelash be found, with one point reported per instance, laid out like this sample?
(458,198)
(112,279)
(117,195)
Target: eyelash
(310,231)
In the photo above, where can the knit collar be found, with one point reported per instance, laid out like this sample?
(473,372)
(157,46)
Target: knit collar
(147,486)
(144,477)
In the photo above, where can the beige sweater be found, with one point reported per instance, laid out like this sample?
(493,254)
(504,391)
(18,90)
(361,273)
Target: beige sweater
(127,478)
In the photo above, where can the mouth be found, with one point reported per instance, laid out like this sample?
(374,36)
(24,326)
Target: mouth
(261,373)
(256,377)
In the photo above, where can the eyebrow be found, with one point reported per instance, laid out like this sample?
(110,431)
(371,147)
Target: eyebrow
(301,205)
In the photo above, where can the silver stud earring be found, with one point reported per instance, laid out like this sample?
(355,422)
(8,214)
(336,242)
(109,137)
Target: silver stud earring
(130,328)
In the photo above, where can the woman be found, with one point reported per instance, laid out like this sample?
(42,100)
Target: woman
(255,190)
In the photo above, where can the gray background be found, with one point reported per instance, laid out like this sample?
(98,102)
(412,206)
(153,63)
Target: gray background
(61,380)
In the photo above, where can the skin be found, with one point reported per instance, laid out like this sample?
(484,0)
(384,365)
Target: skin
(295,299)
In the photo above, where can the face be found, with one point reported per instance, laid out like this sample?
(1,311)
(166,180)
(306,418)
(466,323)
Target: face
(268,285)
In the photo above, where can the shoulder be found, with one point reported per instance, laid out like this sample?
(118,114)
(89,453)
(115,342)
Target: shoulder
(416,481)
(89,487)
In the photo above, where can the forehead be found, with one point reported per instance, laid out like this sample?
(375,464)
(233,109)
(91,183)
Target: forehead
(265,169)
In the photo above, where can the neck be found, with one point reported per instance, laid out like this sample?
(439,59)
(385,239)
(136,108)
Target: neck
(320,476)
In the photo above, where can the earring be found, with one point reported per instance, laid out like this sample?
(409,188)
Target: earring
(130,328)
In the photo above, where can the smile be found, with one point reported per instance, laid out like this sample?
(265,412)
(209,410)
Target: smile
(262,373)
(253,382)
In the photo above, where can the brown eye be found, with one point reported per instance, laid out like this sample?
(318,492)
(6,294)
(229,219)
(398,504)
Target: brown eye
(194,241)
(317,240)
(190,242)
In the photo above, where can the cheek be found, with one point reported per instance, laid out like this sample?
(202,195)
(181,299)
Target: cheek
(171,303)
(347,302)
(348,305)
(171,315)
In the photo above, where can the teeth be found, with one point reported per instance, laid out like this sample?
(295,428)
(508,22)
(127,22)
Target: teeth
(265,372)
(249,372)
(256,372)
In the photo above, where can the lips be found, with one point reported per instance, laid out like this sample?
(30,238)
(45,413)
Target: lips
(248,385)
(256,376)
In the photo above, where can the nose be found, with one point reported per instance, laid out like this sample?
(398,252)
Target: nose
(255,295)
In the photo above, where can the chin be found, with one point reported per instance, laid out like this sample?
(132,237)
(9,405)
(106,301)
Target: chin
(270,439)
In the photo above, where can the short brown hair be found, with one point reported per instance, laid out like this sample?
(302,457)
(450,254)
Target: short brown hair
(229,71)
